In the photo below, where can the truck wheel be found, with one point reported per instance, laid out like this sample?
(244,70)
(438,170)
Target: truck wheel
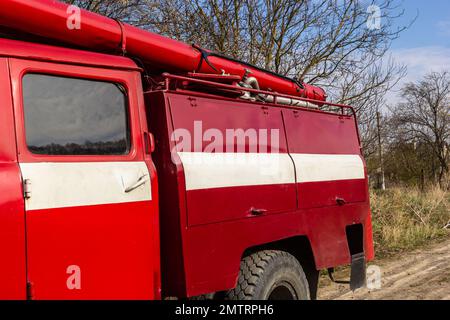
(270,275)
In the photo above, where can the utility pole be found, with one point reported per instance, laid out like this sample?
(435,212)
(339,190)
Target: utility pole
(381,181)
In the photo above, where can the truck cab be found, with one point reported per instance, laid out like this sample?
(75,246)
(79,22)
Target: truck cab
(79,213)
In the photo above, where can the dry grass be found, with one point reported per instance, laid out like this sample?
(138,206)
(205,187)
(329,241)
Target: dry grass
(405,218)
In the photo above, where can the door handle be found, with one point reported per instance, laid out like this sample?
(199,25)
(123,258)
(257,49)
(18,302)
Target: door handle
(340,201)
(141,181)
(257,212)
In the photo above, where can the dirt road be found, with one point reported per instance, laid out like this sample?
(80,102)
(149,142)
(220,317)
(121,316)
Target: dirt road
(420,275)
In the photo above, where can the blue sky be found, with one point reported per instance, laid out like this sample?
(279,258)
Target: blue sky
(425,46)
(432,26)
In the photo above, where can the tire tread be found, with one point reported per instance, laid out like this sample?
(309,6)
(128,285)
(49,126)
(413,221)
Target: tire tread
(251,270)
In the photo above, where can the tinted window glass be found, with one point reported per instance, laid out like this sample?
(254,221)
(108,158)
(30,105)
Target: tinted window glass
(68,116)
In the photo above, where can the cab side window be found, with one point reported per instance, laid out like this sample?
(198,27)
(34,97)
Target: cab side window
(71,116)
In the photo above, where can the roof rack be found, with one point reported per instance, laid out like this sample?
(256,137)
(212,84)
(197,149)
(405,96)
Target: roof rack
(169,79)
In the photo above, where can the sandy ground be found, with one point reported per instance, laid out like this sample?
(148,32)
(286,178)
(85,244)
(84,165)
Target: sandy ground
(419,275)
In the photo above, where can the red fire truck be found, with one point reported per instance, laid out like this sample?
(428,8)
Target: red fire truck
(134,166)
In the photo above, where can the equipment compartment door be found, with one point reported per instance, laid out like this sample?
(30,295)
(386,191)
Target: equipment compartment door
(328,162)
(234,158)
(89,208)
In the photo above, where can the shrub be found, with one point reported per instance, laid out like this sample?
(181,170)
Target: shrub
(405,218)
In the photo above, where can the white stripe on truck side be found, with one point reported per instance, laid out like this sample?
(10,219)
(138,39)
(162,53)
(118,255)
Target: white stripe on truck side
(322,167)
(59,185)
(220,170)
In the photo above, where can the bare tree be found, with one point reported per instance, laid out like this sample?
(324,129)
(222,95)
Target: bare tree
(324,42)
(134,12)
(424,117)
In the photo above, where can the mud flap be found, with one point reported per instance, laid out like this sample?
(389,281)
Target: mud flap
(358,271)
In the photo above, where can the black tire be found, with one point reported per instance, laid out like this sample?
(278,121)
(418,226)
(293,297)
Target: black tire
(270,275)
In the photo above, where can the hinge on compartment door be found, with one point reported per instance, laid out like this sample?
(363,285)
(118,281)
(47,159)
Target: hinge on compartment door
(193,102)
(30,290)
(27,188)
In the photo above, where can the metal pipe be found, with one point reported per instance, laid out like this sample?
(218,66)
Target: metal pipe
(50,19)
(253,83)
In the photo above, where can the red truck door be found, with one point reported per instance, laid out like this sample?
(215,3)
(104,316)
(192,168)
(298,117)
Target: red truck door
(249,170)
(12,221)
(325,150)
(90,211)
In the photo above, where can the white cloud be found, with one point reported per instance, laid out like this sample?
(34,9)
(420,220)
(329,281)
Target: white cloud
(420,61)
